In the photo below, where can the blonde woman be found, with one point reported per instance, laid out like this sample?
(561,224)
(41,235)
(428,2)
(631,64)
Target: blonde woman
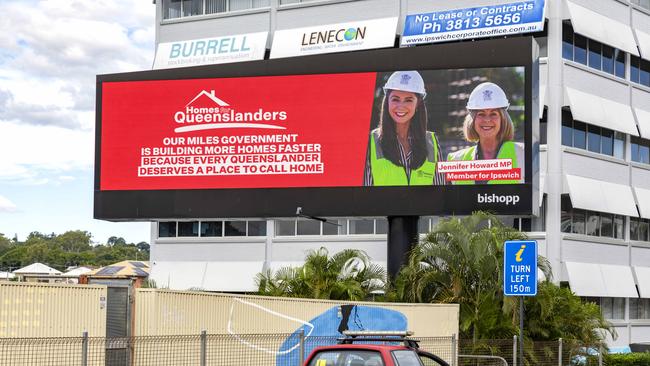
(489,125)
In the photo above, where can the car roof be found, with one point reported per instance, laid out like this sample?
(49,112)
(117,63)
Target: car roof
(371,347)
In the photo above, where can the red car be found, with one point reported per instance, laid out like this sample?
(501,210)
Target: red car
(354,350)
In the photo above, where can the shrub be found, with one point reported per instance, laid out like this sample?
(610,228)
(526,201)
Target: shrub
(627,359)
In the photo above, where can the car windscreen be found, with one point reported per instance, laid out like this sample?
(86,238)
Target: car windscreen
(347,357)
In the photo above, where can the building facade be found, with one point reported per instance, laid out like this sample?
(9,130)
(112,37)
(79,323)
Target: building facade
(594,222)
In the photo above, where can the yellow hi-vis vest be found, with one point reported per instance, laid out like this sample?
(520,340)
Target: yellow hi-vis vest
(506,151)
(385,173)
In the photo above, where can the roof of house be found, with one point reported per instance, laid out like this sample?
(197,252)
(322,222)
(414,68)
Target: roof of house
(122,269)
(37,268)
(77,271)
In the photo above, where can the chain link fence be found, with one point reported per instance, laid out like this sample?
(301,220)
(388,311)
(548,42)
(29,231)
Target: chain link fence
(540,353)
(269,349)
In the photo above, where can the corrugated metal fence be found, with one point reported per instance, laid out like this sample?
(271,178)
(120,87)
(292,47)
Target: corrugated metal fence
(51,310)
(165,312)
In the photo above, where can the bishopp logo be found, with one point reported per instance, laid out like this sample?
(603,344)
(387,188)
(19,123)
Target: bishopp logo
(206,111)
(494,198)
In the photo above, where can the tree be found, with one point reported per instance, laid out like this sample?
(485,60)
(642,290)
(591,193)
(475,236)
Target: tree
(347,275)
(143,246)
(5,244)
(461,261)
(73,241)
(557,313)
(114,240)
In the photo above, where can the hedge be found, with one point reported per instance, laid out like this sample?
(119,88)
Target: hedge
(627,359)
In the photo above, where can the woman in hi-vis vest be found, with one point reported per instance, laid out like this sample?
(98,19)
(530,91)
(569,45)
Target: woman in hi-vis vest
(401,151)
(489,125)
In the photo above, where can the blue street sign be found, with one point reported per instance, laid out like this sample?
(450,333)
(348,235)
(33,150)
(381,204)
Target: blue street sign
(520,268)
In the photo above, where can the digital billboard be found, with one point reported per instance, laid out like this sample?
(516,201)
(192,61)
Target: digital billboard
(423,131)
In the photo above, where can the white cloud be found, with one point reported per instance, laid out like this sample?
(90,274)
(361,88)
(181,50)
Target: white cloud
(6,205)
(50,54)
(36,154)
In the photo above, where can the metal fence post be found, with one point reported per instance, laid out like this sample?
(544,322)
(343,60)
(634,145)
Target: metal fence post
(204,339)
(514,350)
(84,349)
(454,344)
(302,347)
(559,352)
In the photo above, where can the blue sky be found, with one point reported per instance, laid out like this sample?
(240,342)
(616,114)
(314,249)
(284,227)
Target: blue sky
(50,52)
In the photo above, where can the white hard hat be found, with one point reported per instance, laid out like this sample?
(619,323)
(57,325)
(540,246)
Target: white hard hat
(408,81)
(487,96)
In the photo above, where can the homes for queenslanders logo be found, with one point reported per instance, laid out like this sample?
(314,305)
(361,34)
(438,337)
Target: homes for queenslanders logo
(206,111)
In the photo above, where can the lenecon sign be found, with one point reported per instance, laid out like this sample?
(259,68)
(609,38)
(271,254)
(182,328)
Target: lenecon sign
(340,37)
(477,22)
(206,51)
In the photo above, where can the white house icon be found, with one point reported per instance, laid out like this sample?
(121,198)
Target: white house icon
(210,95)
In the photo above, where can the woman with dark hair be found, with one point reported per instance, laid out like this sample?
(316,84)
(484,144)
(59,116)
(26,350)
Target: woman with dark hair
(401,151)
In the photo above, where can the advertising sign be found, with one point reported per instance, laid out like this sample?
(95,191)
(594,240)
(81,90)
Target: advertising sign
(477,22)
(520,268)
(342,37)
(206,51)
(335,140)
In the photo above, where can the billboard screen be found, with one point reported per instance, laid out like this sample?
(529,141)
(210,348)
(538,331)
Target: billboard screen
(334,135)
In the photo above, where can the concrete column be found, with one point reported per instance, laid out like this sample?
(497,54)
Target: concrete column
(555,90)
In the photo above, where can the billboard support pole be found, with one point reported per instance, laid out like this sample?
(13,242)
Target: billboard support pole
(402,236)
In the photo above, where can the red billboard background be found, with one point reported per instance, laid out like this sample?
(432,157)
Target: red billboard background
(246,132)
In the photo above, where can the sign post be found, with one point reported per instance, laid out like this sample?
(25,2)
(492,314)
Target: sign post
(520,277)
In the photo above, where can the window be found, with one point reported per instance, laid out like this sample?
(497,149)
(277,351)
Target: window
(639,308)
(642,3)
(579,135)
(257,228)
(381,226)
(639,229)
(173,9)
(234,228)
(285,227)
(172,229)
(592,53)
(308,227)
(577,221)
(361,226)
(612,307)
(188,228)
(640,71)
(335,227)
(593,138)
(640,149)
(423,225)
(167,229)
(211,228)
(543,126)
